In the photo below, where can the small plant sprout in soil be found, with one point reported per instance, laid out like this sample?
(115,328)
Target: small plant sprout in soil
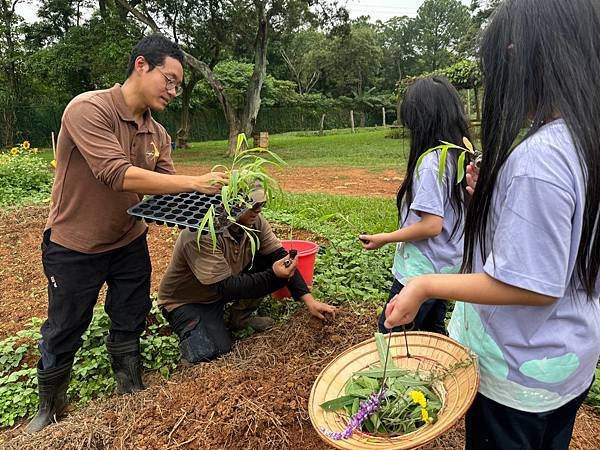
(246,173)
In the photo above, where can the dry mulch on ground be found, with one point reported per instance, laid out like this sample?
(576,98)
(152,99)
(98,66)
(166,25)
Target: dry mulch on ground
(256,397)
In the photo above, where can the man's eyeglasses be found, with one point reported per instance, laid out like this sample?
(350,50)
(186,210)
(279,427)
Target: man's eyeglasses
(258,206)
(171,84)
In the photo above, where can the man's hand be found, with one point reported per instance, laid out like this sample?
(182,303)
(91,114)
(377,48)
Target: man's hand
(285,271)
(318,309)
(209,183)
(472,177)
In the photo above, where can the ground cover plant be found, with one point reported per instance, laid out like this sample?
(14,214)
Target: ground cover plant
(25,176)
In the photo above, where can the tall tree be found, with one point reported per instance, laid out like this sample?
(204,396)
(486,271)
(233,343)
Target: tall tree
(306,55)
(356,59)
(398,39)
(9,61)
(267,16)
(443,28)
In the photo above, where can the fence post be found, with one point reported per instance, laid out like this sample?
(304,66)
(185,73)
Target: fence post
(383,114)
(322,122)
(352,119)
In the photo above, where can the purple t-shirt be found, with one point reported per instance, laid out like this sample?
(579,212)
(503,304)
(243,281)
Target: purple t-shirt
(535,358)
(442,253)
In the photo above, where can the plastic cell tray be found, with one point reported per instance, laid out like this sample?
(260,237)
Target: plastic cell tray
(184,210)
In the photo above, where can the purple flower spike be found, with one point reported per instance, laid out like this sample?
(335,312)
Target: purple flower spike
(367,407)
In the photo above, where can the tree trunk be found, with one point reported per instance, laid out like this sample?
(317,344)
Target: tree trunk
(184,118)
(363,119)
(247,121)
(239,122)
(352,119)
(322,123)
(10,70)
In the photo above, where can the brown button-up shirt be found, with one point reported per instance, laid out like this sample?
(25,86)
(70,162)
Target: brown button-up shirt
(193,271)
(98,141)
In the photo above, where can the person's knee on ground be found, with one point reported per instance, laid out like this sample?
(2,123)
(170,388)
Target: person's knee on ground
(197,346)
(126,363)
(240,316)
(52,389)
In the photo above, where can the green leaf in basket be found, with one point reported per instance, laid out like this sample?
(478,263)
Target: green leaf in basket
(381,344)
(378,373)
(355,406)
(338,403)
(357,391)
(368,383)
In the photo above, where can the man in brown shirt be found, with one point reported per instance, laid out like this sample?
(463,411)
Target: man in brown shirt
(110,151)
(199,282)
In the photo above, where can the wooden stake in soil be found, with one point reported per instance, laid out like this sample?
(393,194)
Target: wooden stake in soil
(383,114)
(53,147)
(352,119)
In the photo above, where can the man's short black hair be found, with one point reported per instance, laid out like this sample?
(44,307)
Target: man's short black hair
(154,48)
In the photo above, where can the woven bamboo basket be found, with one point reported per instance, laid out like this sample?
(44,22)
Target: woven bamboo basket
(428,351)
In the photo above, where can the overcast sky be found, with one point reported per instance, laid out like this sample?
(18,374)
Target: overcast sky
(377,9)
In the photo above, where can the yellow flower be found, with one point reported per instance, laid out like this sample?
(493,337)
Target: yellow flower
(418,397)
(425,416)
(53,164)
(14,151)
(26,145)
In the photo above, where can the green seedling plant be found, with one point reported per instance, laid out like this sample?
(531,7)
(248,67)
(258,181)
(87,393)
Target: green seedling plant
(247,170)
(445,147)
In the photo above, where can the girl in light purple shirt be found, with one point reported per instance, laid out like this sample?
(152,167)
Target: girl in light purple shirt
(530,287)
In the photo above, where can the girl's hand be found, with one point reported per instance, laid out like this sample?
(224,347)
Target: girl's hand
(372,241)
(472,177)
(403,308)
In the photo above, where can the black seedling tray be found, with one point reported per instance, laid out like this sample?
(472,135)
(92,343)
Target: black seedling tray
(185,210)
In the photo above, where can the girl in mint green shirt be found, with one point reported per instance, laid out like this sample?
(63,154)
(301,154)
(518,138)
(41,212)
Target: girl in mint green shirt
(430,212)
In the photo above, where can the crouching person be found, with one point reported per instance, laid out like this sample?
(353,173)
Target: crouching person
(199,282)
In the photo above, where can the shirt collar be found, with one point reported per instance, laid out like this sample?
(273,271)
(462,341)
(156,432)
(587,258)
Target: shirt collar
(123,110)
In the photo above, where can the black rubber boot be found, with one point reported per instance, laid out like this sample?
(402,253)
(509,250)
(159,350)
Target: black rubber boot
(240,316)
(52,388)
(126,363)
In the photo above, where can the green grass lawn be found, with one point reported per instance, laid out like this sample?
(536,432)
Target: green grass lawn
(367,148)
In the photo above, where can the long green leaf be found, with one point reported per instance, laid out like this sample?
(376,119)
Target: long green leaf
(206,220)
(451,145)
(338,403)
(461,167)
(225,199)
(381,344)
(442,167)
(241,138)
(211,228)
(420,160)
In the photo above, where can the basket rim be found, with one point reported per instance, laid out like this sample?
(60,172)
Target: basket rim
(471,392)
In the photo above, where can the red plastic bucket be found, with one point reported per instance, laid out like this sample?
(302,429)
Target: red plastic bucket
(307,253)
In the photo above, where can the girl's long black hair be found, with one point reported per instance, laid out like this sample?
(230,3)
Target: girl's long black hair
(540,59)
(432,111)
